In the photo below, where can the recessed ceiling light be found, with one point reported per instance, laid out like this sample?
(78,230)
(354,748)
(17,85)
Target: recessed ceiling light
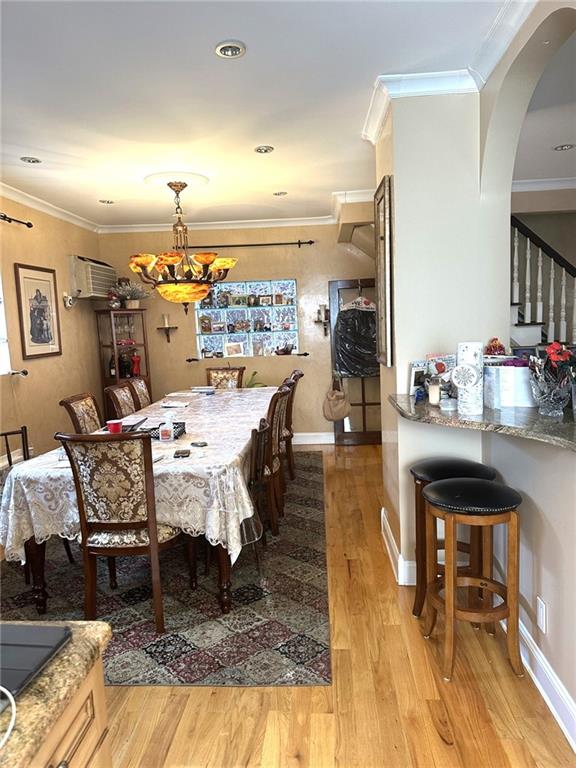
(263,149)
(564,147)
(545,42)
(230,49)
(279,194)
(163,177)
(106,202)
(30,160)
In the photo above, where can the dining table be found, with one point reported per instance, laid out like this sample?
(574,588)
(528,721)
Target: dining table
(205,494)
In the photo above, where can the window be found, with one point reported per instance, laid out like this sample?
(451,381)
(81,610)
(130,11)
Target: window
(5,366)
(248,319)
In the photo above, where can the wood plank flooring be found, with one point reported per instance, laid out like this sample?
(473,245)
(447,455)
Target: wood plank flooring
(387,707)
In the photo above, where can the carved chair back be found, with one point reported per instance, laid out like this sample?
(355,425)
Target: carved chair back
(84,413)
(140,392)
(121,399)
(225,378)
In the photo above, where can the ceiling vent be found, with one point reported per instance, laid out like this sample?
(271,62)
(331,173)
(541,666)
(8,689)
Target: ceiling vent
(91,279)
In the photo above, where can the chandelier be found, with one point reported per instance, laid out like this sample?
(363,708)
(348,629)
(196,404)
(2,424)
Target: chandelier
(177,275)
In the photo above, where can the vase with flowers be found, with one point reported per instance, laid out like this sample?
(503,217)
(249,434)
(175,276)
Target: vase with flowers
(552,378)
(130,293)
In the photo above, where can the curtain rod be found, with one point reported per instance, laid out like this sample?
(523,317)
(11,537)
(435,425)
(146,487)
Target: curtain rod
(10,219)
(299,243)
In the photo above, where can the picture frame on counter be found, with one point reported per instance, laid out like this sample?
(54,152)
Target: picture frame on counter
(418,371)
(37,293)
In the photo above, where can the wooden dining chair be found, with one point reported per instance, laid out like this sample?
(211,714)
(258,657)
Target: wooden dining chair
(288,432)
(140,392)
(276,417)
(115,492)
(121,401)
(225,378)
(9,461)
(84,413)
(260,478)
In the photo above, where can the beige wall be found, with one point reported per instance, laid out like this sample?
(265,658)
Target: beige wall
(384,167)
(312,267)
(34,400)
(545,201)
(557,229)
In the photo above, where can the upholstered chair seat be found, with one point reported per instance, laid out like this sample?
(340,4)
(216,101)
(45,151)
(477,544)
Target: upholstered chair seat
(114,483)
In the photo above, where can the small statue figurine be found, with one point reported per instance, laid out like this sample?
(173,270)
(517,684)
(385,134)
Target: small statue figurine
(495,347)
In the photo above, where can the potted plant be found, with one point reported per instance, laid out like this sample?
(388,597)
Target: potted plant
(130,293)
(552,378)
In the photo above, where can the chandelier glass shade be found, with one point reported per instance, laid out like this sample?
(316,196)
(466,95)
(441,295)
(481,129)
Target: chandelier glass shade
(178,275)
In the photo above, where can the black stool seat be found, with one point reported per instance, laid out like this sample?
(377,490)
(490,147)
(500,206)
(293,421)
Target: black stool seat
(470,496)
(431,470)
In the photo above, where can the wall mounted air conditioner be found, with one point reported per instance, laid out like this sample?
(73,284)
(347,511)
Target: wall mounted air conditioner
(91,279)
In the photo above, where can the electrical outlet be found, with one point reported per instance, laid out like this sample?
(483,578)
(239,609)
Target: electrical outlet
(541,614)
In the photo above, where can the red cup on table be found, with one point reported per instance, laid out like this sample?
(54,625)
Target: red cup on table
(114,426)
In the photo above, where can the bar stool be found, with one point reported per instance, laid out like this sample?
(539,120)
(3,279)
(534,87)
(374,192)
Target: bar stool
(429,471)
(480,504)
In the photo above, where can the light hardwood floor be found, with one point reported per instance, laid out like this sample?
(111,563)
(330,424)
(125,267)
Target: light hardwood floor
(387,707)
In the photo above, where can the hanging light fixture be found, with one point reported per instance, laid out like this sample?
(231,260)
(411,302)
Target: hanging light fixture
(177,275)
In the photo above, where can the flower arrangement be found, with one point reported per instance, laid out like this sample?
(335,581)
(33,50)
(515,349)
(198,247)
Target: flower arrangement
(552,378)
(126,290)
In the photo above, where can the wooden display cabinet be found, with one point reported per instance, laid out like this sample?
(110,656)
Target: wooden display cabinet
(121,335)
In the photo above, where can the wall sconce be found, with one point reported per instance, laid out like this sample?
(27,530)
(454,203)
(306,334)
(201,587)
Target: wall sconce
(323,317)
(70,301)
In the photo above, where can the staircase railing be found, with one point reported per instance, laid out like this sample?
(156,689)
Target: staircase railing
(536,281)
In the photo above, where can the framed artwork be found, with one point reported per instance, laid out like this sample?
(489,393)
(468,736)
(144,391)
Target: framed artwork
(238,301)
(38,311)
(265,301)
(234,349)
(418,370)
(384,233)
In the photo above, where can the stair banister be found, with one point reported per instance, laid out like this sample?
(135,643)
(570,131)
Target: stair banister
(515,271)
(528,285)
(539,299)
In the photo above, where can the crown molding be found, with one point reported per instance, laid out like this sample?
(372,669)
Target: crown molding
(388,87)
(510,18)
(352,196)
(543,185)
(17,196)
(310,221)
(377,111)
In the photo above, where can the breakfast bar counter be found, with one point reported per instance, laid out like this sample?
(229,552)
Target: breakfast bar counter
(61,715)
(515,422)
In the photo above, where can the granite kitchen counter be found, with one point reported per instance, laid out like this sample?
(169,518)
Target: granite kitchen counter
(517,422)
(44,700)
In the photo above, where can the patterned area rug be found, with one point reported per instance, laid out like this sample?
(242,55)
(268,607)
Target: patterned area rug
(276,634)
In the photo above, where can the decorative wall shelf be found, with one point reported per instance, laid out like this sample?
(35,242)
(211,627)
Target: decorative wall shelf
(167,329)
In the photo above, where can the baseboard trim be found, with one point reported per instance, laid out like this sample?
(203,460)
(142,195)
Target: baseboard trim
(551,688)
(404,570)
(313,438)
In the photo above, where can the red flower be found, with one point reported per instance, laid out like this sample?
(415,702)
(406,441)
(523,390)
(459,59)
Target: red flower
(557,353)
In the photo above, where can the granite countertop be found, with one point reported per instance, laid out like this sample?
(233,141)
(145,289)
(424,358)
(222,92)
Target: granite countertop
(44,700)
(517,422)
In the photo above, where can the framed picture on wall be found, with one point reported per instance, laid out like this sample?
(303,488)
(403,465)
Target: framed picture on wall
(38,311)
(384,234)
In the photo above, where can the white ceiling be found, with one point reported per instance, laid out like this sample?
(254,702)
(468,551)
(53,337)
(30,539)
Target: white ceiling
(107,92)
(551,121)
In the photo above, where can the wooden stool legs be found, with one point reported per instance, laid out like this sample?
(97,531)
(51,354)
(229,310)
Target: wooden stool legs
(484,585)
(421,570)
(513,579)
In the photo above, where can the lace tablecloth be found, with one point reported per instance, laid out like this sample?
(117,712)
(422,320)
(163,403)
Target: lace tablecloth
(205,494)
